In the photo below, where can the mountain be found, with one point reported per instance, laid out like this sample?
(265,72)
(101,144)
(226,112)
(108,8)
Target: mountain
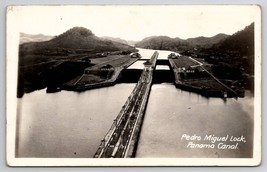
(163,43)
(176,44)
(75,40)
(206,42)
(24,38)
(241,41)
(61,59)
(233,58)
(131,42)
(128,42)
(115,39)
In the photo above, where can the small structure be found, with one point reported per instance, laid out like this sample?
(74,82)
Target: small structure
(104,54)
(147,63)
(172,56)
(190,70)
(125,52)
(98,69)
(135,55)
(107,67)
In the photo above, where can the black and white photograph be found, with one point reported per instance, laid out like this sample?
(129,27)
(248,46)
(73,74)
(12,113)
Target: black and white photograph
(133,85)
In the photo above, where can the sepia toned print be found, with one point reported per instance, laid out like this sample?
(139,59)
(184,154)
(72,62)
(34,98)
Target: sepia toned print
(133,85)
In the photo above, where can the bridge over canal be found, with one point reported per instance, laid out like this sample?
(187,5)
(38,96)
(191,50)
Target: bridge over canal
(121,139)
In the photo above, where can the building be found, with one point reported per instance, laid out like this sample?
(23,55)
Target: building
(147,63)
(135,55)
(107,67)
(98,69)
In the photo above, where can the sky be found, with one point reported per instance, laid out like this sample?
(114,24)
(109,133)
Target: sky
(133,22)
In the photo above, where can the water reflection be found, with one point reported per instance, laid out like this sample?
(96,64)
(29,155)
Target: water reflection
(70,124)
(67,124)
(189,113)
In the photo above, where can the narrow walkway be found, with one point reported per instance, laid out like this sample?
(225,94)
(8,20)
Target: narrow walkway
(121,139)
(214,77)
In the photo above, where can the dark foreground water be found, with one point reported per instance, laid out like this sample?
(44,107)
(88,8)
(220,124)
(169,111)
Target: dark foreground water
(67,124)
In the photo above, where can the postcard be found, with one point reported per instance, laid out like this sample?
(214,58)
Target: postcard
(133,85)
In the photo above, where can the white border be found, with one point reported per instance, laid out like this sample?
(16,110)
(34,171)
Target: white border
(11,100)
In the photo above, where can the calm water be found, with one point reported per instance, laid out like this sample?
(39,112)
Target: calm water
(189,113)
(67,124)
(70,124)
(146,53)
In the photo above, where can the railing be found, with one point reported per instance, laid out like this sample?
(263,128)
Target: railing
(133,107)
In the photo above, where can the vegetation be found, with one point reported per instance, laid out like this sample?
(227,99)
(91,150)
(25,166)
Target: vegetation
(61,59)
(163,43)
(232,58)
(77,40)
(179,45)
(24,38)
(205,42)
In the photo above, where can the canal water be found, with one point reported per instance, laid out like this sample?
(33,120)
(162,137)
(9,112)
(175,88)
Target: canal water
(66,123)
(171,113)
(71,124)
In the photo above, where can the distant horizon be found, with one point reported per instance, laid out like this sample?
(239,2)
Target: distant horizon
(135,40)
(136,22)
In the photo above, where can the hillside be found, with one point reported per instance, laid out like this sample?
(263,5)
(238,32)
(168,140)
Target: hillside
(119,40)
(131,42)
(241,41)
(74,41)
(55,61)
(177,44)
(163,43)
(24,38)
(207,42)
(233,58)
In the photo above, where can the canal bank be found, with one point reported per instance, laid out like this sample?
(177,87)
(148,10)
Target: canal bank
(105,73)
(191,75)
(71,124)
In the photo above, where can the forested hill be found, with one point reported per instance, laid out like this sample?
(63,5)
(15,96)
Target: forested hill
(241,41)
(178,44)
(75,40)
